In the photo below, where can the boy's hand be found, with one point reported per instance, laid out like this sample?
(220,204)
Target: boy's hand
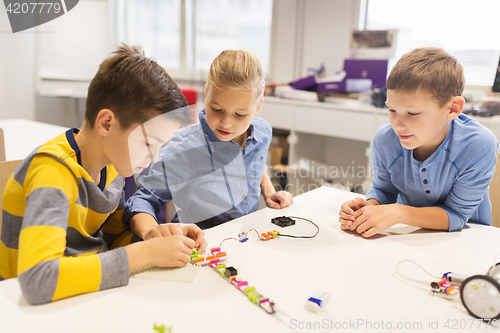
(279,200)
(173,251)
(169,229)
(370,220)
(163,230)
(195,233)
(348,210)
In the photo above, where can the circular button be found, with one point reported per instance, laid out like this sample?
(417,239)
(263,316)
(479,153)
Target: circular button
(243,178)
(248,142)
(427,191)
(424,169)
(262,157)
(244,197)
(425,181)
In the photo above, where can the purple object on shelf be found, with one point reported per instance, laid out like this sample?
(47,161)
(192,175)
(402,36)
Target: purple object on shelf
(376,70)
(306,83)
(327,87)
(361,75)
(345,86)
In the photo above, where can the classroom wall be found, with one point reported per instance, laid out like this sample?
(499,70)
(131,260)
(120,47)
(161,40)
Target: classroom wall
(17,68)
(306,32)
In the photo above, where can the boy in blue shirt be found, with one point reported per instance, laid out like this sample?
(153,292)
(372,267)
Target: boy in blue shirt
(214,170)
(432,165)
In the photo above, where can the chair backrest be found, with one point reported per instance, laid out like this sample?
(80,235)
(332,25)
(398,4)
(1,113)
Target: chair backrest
(6,169)
(2,146)
(495,195)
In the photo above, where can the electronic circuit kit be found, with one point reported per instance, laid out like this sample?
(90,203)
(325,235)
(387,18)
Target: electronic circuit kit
(479,294)
(217,260)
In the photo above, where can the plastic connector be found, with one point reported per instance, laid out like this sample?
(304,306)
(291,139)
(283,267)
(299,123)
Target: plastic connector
(317,301)
(230,271)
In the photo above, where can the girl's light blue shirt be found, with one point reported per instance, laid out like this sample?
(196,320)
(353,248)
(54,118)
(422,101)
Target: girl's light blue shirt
(211,181)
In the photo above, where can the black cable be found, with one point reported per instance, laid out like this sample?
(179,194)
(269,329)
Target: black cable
(301,218)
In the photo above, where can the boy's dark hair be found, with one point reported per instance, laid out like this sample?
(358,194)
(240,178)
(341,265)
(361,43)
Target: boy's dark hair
(135,88)
(430,69)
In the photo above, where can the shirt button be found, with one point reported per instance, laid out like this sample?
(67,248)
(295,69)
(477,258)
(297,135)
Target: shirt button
(427,191)
(243,178)
(425,181)
(262,157)
(424,170)
(244,197)
(248,142)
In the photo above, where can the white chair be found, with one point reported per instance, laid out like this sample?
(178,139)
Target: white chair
(2,146)
(495,195)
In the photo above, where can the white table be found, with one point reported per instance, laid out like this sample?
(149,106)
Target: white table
(358,272)
(22,136)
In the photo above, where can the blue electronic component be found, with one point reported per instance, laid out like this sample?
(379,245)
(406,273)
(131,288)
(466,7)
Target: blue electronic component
(317,301)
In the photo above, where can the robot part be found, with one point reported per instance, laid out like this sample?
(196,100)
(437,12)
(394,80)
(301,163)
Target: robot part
(283,221)
(480,295)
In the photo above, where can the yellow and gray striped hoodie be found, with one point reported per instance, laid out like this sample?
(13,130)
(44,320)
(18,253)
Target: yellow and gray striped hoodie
(53,214)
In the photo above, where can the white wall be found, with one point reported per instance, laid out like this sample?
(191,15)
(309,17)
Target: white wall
(308,33)
(17,71)
(327,32)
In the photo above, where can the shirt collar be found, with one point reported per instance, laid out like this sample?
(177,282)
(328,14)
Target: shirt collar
(70,136)
(442,146)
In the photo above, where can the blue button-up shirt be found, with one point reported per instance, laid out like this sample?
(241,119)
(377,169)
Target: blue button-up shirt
(211,181)
(455,177)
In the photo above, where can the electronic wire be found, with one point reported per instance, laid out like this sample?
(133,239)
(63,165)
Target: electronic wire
(301,218)
(280,234)
(410,277)
(226,240)
(258,235)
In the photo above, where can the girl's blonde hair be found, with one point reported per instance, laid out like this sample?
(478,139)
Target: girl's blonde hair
(237,69)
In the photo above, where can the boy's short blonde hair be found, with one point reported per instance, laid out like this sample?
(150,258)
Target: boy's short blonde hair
(430,69)
(237,69)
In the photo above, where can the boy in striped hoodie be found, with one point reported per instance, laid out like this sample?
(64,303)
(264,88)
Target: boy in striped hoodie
(66,199)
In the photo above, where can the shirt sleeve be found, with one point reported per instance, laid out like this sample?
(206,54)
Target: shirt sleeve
(152,194)
(383,189)
(45,274)
(471,186)
(115,233)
